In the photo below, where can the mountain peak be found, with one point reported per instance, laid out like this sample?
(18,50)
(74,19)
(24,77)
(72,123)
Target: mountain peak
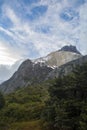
(70,48)
(36,71)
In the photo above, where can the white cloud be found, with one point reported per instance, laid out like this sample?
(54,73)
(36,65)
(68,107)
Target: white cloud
(5,55)
(11,15)
(4,73)
(83,28)
(26,38)
(25,41)
(7,71)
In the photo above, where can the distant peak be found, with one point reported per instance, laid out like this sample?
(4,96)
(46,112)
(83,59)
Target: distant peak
(70,48)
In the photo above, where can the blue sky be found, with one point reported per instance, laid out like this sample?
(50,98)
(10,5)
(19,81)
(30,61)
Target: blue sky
(34,28)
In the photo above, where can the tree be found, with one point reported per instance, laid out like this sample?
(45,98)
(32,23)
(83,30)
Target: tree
(68,102)
(2,101)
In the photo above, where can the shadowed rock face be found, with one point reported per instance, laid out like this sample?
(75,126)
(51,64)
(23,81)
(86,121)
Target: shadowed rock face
(42,69)
(70,49)
(27,74)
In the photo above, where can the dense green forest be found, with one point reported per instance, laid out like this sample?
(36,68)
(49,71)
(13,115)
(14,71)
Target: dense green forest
(60,104)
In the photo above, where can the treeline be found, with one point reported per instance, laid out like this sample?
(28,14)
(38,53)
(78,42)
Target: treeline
(66,108)
(60,104)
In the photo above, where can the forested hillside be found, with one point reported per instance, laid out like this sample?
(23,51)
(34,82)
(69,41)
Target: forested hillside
(66,108)
(60,104)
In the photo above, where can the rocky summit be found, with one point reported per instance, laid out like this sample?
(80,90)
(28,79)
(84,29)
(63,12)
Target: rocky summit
(60,57)
(70,49)
(39,70)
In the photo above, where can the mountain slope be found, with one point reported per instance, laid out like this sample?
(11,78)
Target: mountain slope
(39,70)
(27,74)
(58,58)
(67,68)
(70,49)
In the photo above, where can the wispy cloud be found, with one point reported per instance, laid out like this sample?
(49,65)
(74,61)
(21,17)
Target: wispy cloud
(83,28)
(37,27)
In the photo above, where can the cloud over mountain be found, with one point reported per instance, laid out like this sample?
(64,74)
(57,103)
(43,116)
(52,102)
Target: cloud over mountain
(33,28)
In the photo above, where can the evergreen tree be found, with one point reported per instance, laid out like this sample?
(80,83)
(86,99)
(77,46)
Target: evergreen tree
(2,101)
(67,106)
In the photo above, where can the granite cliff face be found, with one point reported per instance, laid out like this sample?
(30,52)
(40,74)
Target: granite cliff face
(60,57)
(67,68)
(36,71)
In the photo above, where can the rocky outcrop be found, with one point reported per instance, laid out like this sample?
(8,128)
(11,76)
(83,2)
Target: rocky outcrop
(27,74)
(60,57)
(67,68)
(70,49)
(55,64)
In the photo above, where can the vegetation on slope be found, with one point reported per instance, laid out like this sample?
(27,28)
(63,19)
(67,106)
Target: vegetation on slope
(24,105)
(67,107)
(59,105)
(31,125)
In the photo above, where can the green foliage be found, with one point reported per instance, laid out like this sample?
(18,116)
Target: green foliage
(23,105)
(60,104)
(66,108)
(32,125)
(2,101)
